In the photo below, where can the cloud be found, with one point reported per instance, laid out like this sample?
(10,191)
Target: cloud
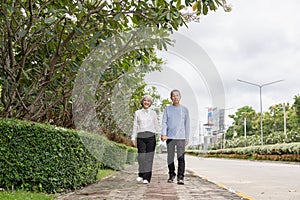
(258,42)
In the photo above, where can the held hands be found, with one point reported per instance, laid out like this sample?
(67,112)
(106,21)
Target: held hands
(163,138)
(133,143)
(186,142)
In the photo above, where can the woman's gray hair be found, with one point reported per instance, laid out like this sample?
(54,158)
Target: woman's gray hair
(146,97)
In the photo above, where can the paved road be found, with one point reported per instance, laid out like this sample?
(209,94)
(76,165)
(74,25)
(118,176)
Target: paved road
(259,180)
(122,185)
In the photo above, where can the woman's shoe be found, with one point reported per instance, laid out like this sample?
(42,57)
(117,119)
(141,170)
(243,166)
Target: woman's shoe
(139,179)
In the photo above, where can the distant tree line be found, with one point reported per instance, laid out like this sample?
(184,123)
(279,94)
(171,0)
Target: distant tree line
(273,120)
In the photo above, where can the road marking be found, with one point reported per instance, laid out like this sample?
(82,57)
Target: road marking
(244,196)
(223,186)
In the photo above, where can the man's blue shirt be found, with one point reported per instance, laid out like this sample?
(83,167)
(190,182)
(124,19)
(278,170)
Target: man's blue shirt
(176,122)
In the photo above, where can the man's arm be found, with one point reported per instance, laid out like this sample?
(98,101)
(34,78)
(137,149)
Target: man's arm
(187,127)
(163,134)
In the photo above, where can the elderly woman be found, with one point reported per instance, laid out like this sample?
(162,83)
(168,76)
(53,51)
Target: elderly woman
(145,126)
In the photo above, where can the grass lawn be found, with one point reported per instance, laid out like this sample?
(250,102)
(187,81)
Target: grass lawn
(104,173)
(21,195)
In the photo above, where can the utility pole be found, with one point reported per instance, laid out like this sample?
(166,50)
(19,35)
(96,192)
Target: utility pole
(260,97)
(284,120)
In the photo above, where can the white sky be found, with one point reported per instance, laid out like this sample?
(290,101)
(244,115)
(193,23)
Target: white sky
(258,41)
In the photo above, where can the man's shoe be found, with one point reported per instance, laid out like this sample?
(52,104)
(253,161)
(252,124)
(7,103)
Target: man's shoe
(145,182)
(171,178)
(180,182)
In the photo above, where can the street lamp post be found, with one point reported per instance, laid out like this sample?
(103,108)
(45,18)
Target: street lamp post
(284,120)
(260,97)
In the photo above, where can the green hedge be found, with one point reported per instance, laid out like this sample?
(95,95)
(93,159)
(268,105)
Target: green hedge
(111,154)
(50,159)
(281,152)
(255,140)
(289,148)
(43,158)
(131,155)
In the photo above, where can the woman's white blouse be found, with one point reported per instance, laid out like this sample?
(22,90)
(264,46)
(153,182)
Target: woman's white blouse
(144,120)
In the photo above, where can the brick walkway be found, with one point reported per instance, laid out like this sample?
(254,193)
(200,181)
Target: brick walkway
(122,185)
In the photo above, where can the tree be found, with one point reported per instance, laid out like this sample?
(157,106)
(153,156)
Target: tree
(296,106)
(43,44)
(273,121)
(241,114)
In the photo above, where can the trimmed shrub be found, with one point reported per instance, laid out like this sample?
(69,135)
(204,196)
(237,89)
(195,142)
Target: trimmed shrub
(115,156)
(111,154)
(131,155)
(50,159)
(280,152)
(96,144)
(43,158)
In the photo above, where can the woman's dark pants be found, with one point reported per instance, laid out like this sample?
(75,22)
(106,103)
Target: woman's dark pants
(146,143)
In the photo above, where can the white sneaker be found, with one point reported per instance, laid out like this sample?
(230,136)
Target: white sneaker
(139,179)
(145,182)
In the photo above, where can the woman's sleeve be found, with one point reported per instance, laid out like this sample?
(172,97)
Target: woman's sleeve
(156,126)
(135,126)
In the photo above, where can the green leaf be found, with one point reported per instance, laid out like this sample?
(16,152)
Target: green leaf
(187,3)
(218,2)
(205,9)
(22,33)
(9,8)
(200,7)
(25,74)
(49,20)
(212,6)
(181,7)
(79,30)
(79,5)
(48,31)
(117,16)
(169,16)
(178,4)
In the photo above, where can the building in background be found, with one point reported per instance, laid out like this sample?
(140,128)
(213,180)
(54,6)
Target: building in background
(214,129)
